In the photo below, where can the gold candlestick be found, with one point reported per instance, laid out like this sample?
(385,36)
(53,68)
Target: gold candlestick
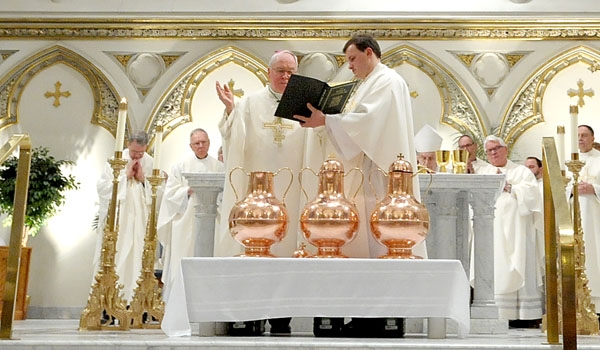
(147,296)
(587,320)
(106,294)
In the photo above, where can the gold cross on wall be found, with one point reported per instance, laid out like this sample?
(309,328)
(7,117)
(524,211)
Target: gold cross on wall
(580,92)
(236,92)
(277,127)
(57,94)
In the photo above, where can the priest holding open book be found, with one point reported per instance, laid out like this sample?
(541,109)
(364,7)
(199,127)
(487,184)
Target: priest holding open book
(374,127)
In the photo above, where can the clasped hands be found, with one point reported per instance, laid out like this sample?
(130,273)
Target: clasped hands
(135,171)
(585,188)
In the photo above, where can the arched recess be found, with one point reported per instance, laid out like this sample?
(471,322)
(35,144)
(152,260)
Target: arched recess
(525,108)
(458,109)
(174,108)
(106,100)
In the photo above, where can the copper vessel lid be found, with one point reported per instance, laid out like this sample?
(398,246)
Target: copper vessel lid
(401,165)
(332,165)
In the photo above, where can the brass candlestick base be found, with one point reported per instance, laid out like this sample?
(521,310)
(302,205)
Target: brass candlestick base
(587,320)
(106,294)
(147,297)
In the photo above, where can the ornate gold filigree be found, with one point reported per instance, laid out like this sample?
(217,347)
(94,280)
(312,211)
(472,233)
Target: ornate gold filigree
(239,28)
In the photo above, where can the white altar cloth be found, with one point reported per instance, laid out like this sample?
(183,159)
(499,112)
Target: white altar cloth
(242,289)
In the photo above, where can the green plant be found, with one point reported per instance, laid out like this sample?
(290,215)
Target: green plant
(47,186)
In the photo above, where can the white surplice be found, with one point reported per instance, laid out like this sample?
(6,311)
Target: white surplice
(176,216)
(517,264)
(134,200)
(254,139)
(590,221)
(375,127)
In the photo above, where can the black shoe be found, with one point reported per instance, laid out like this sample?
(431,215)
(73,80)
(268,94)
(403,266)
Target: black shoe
(387,327)
(532,324)
(280,326)
(248,328)
(328,327)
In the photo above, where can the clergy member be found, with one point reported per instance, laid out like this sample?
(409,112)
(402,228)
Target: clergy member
(474,164)
(256,140)
(134,199)
(589,202)
(176,216)
(518,269)
(375,126)
(427,141)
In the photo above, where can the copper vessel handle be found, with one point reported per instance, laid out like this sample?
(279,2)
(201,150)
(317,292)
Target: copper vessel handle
(371,183)
(300,180)
(426,171)
(289,185)
(362,180)
(231,182)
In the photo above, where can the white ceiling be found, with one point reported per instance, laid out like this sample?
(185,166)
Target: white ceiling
(301,8)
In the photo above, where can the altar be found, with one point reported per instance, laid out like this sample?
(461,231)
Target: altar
(243,289)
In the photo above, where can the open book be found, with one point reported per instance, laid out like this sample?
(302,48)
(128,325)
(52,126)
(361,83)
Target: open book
(301,90)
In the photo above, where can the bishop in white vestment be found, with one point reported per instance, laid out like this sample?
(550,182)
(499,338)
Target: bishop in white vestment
(256,140)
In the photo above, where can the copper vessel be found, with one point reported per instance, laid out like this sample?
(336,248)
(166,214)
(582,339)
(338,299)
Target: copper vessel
(259,220)
(330,221)
(399,221)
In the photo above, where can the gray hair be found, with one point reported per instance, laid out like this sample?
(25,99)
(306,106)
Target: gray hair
(198,130)
(139,137)
(278,54)
(494,138)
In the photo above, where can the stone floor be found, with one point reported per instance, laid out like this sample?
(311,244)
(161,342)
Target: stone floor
(36,334)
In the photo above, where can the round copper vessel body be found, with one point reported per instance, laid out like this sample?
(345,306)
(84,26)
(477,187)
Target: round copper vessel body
(330,221)
(259,220)
(399,221)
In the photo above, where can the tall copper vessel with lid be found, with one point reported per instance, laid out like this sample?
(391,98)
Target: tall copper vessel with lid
(260,219)
(330,221)
(400,221)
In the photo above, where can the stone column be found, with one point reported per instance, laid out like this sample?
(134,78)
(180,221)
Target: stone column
(206,187)
(448,197)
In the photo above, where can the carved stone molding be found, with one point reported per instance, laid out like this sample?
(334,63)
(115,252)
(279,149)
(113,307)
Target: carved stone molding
(293,28)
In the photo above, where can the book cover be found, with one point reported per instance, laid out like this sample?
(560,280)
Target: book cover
(301,90)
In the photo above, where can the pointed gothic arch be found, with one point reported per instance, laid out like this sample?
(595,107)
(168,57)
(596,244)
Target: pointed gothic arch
(525,108)
(12,85)
(174,108)
(458,109)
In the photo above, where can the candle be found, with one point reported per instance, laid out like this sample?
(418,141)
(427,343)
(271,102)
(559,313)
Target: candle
(574,110)
(121,125)
(560,145)
(158,138)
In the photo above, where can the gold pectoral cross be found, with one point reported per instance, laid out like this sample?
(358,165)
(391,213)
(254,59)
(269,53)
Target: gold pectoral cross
(277,127)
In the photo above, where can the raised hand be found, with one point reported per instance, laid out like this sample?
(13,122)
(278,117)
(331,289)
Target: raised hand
(226,96)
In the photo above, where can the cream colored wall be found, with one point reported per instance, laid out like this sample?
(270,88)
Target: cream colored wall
(61,272)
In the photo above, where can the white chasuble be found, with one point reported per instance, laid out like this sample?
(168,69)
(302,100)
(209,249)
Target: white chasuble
(375,127)
(254,139)
(590,222)
(517,266)
(175,224)
(134,200)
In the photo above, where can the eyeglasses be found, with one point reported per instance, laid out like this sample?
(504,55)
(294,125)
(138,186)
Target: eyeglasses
(493,150)
(465,146)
